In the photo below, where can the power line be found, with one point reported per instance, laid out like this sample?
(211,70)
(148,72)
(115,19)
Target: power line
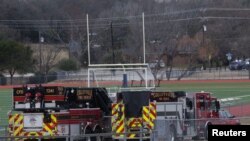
(226,9)
(79,23)
(227,18)
(107,18)
(131,17)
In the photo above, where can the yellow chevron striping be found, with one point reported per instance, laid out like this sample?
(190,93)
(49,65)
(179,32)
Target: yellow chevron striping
(146,110)
(19,120)
(115,108)
(131,135)
(145,118)
(153,110)
(11,120)
(18,130)
(148,121)
(152,117)
(118,117)
(151,124)
(47,129)
(53,117)
(33,134)
(120,129)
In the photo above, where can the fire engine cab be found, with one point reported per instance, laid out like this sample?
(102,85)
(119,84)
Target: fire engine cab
(187,115)
(59,113)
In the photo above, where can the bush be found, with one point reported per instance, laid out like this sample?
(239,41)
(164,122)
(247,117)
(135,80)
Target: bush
(67,65)
(40,78)
(51,76)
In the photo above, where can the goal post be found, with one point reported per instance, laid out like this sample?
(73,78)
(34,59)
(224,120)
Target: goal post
(121,75)
(134,71)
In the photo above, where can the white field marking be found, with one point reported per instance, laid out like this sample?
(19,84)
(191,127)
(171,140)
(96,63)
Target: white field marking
(233,98)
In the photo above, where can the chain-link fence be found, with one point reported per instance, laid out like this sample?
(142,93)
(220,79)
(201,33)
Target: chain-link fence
(168,129)
(162,74)
(192,129)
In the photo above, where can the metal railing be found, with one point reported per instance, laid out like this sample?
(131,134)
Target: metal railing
(162,131)
(99,136)
(197,74)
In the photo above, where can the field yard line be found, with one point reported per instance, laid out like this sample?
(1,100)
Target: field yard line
(233,98)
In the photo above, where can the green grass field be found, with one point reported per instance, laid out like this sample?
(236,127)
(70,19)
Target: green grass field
(232,94)
(5,104)
(219,89)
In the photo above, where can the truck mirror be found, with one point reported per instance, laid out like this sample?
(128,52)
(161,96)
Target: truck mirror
(189,104)
(217,104)
(202,104)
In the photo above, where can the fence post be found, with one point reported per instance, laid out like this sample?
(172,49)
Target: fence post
(6,133)
(140,133)
(125,136)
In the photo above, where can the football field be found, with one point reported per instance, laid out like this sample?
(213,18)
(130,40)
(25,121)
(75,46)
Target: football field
(229,92)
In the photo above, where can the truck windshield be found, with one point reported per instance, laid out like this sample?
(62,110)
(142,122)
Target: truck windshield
(213,104)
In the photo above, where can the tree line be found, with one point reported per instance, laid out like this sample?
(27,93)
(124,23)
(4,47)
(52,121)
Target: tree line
(198,32)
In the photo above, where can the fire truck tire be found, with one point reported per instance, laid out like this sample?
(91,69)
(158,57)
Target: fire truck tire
(172,133)
(98,130)
(196,138)
(181,139)
(88,131)
(206,133)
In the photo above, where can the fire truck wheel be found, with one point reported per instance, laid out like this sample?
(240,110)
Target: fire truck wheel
(98,130)
(181,139)
(172,133)
(88,131)
(206,133)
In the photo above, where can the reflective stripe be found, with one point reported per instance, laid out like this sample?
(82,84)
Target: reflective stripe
(148,115)
(18,124)
(152,107)
(135,122)
(146,119)
(48,128)
(19,120)
(11,118)
(131,135)
(118,119)
(18,130)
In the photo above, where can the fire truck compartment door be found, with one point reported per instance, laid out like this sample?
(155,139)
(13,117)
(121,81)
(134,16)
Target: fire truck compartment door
(33,121)
(63,129)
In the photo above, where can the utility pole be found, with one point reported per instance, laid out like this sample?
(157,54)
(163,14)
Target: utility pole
(112,43)
(40,52)
(41,40)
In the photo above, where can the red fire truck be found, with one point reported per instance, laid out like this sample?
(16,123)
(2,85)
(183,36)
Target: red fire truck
(133,115)
(187,115)
(59,113)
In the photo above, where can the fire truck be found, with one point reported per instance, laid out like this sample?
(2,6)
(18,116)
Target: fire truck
(59,113)
(187,115)
(133,115)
